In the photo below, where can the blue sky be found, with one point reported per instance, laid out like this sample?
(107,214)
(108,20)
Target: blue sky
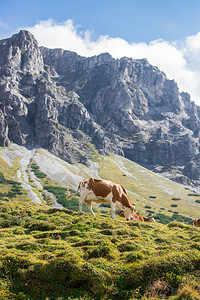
(166,32)
(132,20)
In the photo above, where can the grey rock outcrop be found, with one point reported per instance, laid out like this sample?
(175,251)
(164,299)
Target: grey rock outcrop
(68,104)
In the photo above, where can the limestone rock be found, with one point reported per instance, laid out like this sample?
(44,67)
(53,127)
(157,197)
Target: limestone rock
(70,104)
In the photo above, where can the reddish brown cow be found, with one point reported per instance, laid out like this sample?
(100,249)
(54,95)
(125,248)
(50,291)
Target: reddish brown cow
(104,191)
(136,217)
(196,223)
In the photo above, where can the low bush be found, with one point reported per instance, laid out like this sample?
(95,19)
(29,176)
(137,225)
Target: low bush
(39,225)
(128,246)
(104,249)
(181,218)
(60,193)
(163,218)
(37,172)
(105,205)
(2,178)
(150,211)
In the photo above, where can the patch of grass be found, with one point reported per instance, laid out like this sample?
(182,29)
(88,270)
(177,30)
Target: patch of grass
(52,253)
(174,205)
(60,193)
(163,218)
(149,211)
(2,178)
(37,172)
(49,253)
(10,188)
(105,205)
(181,218)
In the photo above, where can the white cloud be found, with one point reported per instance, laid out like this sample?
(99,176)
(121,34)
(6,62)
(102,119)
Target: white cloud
(179,62)
(3,25)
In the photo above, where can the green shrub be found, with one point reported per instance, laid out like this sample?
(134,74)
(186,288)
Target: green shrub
(133,256)
(198,201)
(28,246)
(105,249)
(2,178)
(13,182)
(105,205)
(163,218)
(174,205)
(39,225)
(60,193)
(37,172)
(147,206)
(176,199)
(40,174)
(152,197)
(150,211)
(181,218)
(35,167)
(127,246)
(9,221)
(177,224)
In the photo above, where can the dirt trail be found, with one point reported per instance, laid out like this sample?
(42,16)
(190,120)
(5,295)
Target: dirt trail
(24,173)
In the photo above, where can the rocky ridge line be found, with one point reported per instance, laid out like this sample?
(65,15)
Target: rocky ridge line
(70,105)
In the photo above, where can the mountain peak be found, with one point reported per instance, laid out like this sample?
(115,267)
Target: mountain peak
(21,52)
(24,40)
(124,106)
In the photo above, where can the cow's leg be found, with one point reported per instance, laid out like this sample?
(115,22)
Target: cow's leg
(89,206)
(113,210)
(80,202)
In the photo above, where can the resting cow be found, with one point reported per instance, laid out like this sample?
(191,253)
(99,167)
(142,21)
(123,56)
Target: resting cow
(136,217)
(196,223)
(104,191)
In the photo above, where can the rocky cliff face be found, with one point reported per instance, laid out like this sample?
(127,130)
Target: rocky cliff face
(68,104)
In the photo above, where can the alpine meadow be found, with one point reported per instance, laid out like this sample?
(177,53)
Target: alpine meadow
(65,118)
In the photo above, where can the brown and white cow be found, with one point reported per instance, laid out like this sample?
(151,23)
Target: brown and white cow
(196,223)
(136,217)
(103,191)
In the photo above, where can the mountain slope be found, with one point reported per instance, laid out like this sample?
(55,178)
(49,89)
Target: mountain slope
(72,105)
(152,194)
(49,253)
(55,252)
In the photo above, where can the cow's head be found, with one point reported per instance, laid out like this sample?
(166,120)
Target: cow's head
(128,211)
(121,213)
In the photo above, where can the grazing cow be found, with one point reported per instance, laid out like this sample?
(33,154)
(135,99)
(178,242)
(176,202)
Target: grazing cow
(104,191)
(196,223)
(136,217)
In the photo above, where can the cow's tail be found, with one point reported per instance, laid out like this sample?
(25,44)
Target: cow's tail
(74,194)
(71,195)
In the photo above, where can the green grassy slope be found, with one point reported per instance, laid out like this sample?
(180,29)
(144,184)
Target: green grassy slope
(47,253)
(152,194)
